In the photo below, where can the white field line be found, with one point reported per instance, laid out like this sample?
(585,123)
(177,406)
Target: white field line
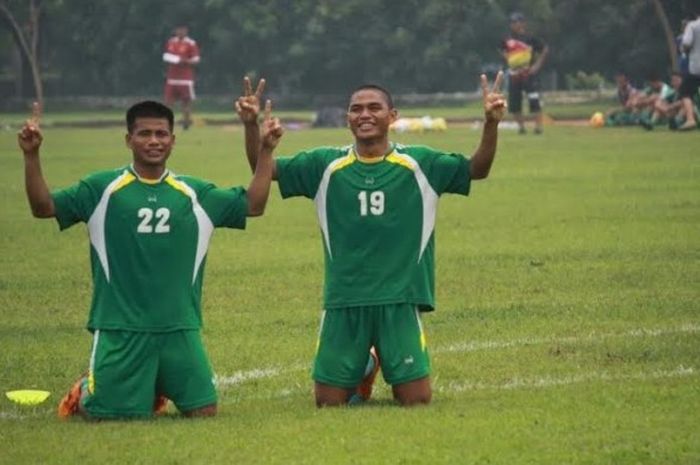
(535,382)
(474,346)
(541,382)
(240,377)
(19,416)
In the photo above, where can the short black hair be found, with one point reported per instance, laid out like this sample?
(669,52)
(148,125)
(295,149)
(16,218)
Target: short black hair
(148,109)
(654,76)
(516,16)
(378,88)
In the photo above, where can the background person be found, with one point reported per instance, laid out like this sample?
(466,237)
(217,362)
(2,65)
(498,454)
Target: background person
(648,98)
(524,55)
(626,95)
(182,55)
(691,82)
(667,106)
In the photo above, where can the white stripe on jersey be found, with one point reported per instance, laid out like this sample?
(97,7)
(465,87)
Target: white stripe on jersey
(96,223)
(180,82)
(429,198)
(320,200)
(204,223)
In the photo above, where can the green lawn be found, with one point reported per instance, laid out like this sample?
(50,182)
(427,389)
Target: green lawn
(471,110)
(567,328)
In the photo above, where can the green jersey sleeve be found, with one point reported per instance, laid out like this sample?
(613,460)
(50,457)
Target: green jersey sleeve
(446,172)
(300,174)
(76,203)
(226,208)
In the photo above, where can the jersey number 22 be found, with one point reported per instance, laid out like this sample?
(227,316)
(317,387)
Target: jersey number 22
(146,226)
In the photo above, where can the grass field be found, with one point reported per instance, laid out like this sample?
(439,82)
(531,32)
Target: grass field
(567,329)
(471,110)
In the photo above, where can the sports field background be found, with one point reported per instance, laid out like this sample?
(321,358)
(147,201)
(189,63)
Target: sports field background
(567,328)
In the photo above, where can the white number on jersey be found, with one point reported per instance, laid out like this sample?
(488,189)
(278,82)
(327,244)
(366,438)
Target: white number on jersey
(376,203)
(162,215)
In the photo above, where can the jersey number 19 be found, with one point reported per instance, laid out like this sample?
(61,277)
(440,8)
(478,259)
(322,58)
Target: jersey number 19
(375,206)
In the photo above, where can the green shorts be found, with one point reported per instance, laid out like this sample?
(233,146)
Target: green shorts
(128,369)
(346,334)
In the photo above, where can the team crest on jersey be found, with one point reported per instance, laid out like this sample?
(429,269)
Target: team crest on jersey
(152,198)
(369,180)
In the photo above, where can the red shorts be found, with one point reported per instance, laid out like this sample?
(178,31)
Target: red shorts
(183,92)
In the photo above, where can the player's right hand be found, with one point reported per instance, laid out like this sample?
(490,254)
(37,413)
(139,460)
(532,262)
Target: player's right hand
(29,136)
(248,105)
(272,130)
(494,102)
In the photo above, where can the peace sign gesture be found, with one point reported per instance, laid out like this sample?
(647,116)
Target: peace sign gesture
(272,129)
(29,136)
(248,105)
(494,102)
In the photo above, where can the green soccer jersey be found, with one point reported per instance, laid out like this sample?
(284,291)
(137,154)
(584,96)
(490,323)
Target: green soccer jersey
(149,242)
(376,219)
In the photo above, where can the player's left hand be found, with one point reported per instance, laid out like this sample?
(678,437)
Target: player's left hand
(494,103)
(29,136)
(272,130)
(248,105)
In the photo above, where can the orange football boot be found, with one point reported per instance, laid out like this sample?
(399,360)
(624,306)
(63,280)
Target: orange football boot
(70,404)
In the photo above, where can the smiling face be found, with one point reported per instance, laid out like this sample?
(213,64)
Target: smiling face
(370,115)
(151,140)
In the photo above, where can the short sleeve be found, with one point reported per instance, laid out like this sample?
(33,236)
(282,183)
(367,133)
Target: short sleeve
(226,208)
(687,39)
(450,173)
(446,172)
(74,204)
(194,50)
(300,175)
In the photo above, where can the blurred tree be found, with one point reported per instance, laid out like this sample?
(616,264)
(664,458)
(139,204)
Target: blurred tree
(322,48)
(670,43)
(23,19)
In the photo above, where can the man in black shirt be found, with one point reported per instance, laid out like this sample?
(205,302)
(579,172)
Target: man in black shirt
(524,55)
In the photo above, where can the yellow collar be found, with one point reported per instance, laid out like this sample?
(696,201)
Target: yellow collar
(372,160)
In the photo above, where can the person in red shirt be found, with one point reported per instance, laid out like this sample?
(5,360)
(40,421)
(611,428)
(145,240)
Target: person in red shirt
(182,55)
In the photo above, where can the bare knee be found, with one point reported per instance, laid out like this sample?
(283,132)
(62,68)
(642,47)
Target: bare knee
(330,396)
(416,392)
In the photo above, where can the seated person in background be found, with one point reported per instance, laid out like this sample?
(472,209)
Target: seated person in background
(647,97)
(667,105)
(627,97)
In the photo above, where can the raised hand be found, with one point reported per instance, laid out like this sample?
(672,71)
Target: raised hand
(29,136)
(248,105)
(494,102)
(271,131)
